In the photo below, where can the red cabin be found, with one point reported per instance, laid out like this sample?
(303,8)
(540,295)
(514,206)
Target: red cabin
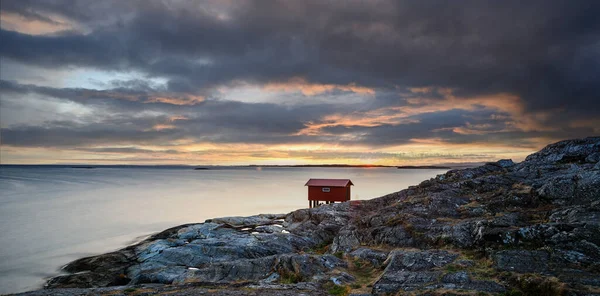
(328,190)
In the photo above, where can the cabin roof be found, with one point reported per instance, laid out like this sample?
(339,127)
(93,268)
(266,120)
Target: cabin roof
(329,182)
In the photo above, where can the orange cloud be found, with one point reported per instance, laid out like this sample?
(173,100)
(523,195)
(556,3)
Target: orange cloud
(177,100)
(370,118)
(90,93)
(593,124)
(18,23)
(177,117)
(174,99)
(311,89)
(472,129)
(516,118)
(160,127)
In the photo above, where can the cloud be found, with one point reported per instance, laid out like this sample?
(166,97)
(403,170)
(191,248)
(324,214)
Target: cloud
(33,24)
(122,117)
(394,43)
(127,150)
(83,95)
(374,76)
(310,89)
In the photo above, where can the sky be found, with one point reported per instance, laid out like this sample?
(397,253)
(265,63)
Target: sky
(294,82)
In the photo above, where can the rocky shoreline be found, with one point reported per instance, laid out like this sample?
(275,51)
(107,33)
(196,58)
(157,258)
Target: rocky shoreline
(531,228)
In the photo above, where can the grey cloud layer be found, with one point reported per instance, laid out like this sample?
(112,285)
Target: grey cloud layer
(233,122)
(546,52)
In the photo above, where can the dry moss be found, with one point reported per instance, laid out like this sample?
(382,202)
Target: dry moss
(365,275)
(534,284)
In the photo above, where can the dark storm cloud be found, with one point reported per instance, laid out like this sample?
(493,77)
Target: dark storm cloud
(257,117)
(85,11)
(76,136)
(545,52)
(120,99)
(128,131)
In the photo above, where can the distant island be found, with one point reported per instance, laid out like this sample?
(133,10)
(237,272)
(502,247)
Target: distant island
(419,167)
(353,166)
(210,167)
(200,169)
(322,166)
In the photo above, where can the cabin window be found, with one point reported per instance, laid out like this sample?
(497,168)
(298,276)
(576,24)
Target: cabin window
(325,189)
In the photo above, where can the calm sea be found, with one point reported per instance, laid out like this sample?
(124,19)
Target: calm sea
(51,215)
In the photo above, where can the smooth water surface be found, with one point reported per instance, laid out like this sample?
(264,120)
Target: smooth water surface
(51,215)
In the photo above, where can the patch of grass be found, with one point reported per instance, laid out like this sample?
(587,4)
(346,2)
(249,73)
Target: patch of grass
(520,188)
(364,273)
(513,292)
(471,204)
(289,277)
(448,220)
(339,254)
(474,255)
(452,268)
(408,227)
(357,263)
(540,214)
(320,248)
(129,290)
(482,268)
(394,221)
(355,286)
(443,241)
(337,290)
(446,292)
(534,284)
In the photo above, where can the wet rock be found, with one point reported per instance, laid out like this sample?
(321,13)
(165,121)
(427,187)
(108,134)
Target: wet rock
(394,281)
(345,241)
(522,261)
(593,158)
(252,221)
(96,271)
(460,234)
(269,229)
(460,277)
(464,263)
(411,270)
(580,277)
(291,267)
(418,260)
(566,151)
(342,279)
(505,163)
(376,258)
